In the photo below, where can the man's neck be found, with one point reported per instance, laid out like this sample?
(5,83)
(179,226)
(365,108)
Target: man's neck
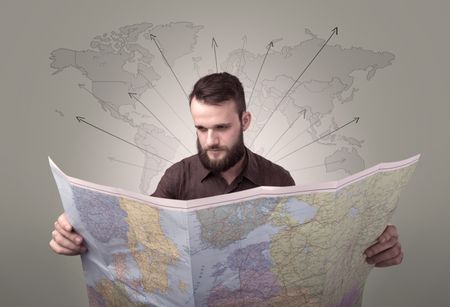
(231,174)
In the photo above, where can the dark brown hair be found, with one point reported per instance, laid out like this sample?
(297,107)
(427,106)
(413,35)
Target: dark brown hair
(218,87)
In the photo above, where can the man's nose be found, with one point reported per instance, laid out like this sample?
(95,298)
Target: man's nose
(212,138)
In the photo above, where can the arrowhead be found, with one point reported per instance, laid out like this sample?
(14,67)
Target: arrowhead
(270,45)
(214,43)
(152,37)
(80,118)
(335,30)
(356,120)
(304,113)
(132,95)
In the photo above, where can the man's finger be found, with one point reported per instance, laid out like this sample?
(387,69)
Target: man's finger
(386,255)
(395,261)
(64,242)
(389,232)
(379,247)
(71,236)
(62,220)
(61,250)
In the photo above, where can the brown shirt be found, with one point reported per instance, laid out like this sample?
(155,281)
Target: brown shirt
(189,179)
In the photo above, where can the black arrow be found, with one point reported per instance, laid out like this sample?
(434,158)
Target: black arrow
(81,119)
(334,31)
(214,46)
(269,46)
(133,96)
(153,38)
(150,85)
(287,129)
(83,87)
(297,135)
(356,119)
(132,164)
(318,165)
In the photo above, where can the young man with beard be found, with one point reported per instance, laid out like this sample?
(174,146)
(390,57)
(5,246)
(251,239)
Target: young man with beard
(223,164)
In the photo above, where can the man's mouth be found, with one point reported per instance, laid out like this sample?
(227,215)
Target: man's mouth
(215,153)
(216,149)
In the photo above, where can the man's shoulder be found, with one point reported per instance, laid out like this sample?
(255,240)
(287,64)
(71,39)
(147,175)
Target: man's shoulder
(184,164)
(266,163)
(273,173)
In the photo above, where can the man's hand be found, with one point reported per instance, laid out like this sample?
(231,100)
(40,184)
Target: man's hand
(387,251)
(65,241)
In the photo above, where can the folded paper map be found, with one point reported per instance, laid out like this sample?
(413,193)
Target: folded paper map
(269,246)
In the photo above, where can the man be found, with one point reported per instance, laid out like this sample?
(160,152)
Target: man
(223,165)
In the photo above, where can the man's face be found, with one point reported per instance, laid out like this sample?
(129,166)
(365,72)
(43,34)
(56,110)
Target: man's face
(220,141)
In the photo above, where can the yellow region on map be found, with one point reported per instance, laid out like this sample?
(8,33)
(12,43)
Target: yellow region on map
(149,246)
(182,286)
(313,260)
(113,294)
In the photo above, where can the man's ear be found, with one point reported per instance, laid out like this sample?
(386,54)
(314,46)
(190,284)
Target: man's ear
(246,119)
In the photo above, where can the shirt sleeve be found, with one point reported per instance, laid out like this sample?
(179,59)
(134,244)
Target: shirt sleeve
(288,181)
(279,176)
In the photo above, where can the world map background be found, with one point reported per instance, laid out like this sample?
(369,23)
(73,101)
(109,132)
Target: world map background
(403,110)
(123,79)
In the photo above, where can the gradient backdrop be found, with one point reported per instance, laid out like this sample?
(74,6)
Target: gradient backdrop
(405,107)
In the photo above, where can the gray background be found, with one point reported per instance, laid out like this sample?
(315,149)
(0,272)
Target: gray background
(406,111)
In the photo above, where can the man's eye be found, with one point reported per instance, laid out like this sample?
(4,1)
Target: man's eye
(222,127)
(201,129)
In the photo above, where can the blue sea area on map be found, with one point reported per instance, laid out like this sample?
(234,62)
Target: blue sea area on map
(299,210)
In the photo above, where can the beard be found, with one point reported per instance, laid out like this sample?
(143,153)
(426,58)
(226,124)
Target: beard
(233,155)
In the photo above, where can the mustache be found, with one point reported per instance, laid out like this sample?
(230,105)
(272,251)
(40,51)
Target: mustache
(215,147)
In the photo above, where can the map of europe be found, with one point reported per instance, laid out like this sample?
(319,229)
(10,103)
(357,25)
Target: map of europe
(268,246)
(140,75)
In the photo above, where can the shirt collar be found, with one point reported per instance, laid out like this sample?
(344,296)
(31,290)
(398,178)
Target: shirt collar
(251,170)
(203,172)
